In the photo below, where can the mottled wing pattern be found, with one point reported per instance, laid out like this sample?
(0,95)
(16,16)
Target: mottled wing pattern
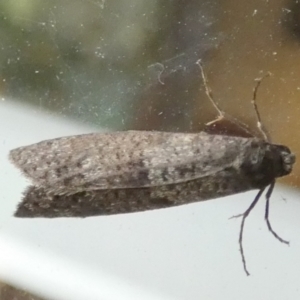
(128,159)
(37,202)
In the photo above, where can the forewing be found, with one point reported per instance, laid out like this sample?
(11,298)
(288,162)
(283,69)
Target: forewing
(128,159)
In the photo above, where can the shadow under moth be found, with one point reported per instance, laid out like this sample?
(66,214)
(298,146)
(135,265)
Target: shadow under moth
(132,171)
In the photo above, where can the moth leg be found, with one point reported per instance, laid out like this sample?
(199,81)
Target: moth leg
(268,195)
(260,125)
(244,216)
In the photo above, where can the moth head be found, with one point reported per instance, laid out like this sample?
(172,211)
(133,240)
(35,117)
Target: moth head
(281,158)
(268,161)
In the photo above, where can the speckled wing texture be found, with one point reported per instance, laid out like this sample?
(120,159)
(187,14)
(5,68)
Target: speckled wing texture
(129,159)
(37,202)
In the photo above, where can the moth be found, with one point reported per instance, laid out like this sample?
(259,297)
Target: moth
(131,171)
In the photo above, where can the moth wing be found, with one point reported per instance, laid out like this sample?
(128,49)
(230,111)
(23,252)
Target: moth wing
(128,159)
(36,203)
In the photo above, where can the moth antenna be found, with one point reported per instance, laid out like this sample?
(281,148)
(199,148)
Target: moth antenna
(208,90)
(222,114)
(244,216)
(268,196)
(260,125)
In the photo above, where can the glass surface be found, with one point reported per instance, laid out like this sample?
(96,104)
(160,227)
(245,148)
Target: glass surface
(113,63)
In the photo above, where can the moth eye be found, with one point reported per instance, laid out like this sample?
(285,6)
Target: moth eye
(255,158)
(288,158)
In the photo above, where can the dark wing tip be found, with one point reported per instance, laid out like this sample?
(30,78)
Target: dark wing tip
(36,203)
(40,203)
(25,208)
